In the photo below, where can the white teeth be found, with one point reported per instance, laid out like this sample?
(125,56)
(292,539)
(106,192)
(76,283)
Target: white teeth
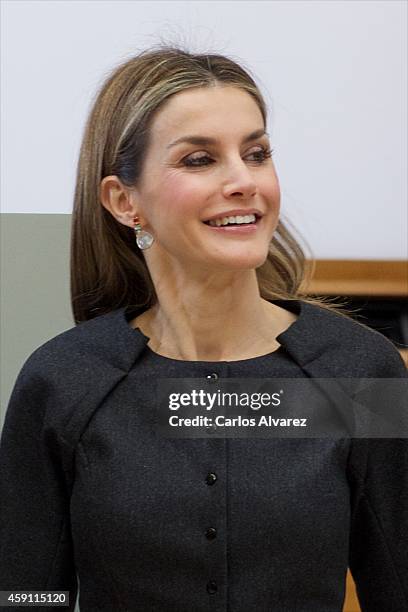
(236,220)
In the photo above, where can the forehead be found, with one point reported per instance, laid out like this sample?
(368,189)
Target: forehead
(206,109)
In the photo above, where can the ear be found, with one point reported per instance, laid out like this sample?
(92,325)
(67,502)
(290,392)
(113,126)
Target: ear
(118,200)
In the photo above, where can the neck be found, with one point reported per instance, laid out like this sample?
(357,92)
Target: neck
(212,321)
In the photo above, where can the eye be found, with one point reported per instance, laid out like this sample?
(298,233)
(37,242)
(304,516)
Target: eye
(261,155)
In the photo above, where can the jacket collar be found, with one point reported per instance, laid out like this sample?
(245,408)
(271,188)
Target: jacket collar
(113,339)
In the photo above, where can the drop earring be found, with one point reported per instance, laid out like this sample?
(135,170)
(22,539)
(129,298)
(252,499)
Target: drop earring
(144,240)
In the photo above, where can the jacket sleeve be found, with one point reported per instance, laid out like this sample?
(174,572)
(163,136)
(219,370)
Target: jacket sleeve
(36,550)
(378,556)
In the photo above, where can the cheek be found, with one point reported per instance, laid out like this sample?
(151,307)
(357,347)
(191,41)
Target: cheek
(183,196)
(271,191)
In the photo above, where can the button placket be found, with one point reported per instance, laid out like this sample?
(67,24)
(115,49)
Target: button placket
(211,531)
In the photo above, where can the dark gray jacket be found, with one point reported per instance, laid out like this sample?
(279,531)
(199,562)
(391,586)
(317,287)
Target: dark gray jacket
(89,490)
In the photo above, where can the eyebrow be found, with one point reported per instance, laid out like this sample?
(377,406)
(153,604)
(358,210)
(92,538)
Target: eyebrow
(203,140)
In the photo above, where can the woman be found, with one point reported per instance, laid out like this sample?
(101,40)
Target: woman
(175,154)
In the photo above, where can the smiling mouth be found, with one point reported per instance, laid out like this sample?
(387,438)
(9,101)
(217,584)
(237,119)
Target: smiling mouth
(237,221)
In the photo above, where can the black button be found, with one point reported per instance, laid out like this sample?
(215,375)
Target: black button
(213,376)
(211,478)
(212,587)
(211,533)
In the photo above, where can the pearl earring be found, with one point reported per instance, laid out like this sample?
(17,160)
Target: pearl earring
(144,240)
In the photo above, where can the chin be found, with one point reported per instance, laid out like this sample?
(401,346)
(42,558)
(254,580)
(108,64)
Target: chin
(244,261)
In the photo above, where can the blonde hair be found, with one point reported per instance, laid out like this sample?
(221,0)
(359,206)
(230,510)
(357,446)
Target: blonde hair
(107,269)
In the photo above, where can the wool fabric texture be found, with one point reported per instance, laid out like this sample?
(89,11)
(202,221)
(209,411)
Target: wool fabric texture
(94,501)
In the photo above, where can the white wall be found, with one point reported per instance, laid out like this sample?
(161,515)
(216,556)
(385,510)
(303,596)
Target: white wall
(333,72)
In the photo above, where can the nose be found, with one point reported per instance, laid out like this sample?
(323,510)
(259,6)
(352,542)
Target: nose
(240,181)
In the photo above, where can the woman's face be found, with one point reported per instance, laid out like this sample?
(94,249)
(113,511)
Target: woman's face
(185,184)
